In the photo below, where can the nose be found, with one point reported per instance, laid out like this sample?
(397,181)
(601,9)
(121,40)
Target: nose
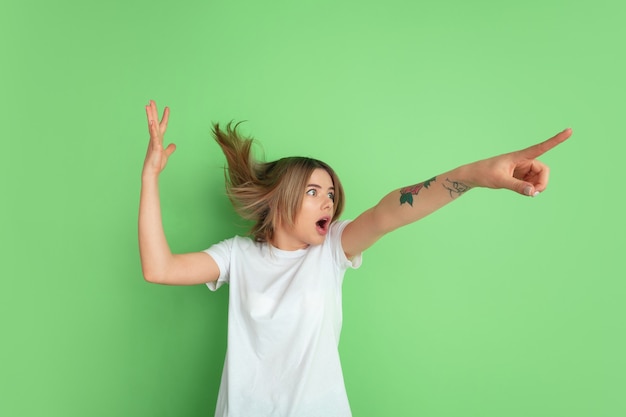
(328,203)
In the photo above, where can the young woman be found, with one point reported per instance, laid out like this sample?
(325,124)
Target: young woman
(285,279)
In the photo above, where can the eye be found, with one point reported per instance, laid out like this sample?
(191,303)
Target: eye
(312,192)
(331,196)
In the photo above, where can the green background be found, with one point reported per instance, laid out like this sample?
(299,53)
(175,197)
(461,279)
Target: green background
(497,305)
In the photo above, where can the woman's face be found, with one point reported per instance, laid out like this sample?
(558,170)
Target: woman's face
(313,220)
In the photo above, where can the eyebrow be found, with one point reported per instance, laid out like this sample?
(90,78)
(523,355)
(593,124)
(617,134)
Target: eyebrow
(319,186)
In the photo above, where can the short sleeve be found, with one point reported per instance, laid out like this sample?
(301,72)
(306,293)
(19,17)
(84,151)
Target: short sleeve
(221,254)
(335,232)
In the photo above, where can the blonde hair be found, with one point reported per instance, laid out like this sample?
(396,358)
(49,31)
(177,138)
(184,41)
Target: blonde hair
(267,192)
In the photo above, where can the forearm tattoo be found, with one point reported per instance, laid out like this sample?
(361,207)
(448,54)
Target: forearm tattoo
(455,188)
(407,193)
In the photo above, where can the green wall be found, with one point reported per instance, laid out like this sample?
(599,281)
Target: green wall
(498,305)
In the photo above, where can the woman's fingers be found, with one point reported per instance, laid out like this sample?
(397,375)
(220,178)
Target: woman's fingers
(149,118)
(170,150)
(163,123)
(543,147)
(538,175)
(530,177)
(156,139)
(155,127)
(157,155)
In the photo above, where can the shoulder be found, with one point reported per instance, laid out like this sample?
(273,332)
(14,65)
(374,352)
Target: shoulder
(334,241)
(233,244)
(337,227)
(231,255)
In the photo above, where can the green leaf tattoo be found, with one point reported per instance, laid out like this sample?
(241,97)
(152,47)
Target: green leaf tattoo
(407,193)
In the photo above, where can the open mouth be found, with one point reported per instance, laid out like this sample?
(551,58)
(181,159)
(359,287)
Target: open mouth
(322,225)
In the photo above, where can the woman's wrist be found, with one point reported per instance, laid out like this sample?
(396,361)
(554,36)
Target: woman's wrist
(466,175)
(149,175)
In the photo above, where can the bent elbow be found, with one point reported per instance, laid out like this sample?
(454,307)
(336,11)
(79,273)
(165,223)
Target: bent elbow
(152,276)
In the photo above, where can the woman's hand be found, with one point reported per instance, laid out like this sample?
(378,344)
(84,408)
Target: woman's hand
(517,171)
(157,156)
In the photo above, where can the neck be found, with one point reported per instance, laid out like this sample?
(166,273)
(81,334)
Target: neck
(284,240)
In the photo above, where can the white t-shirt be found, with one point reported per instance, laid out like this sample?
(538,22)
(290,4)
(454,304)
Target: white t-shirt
(284,322)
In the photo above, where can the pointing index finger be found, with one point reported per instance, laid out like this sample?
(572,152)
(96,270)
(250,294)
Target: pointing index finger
(543,147)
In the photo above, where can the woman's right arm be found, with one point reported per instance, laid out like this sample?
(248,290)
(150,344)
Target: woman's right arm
(158,263)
